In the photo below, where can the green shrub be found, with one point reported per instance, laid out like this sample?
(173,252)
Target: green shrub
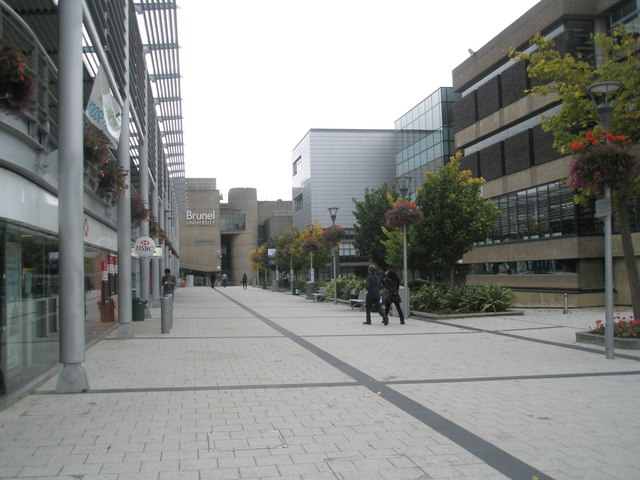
(442,297)
(430,297)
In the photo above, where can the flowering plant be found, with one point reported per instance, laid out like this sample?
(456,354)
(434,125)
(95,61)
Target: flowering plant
(16,79)
(310,244)
(333,235)
(113,178)
(139,211)
(600,161)
(623,327)
(96,153)
(403,213)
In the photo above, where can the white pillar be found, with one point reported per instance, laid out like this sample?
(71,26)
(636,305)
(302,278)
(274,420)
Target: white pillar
(73,378)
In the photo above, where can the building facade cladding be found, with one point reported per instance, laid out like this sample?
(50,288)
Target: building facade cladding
(498,127)
(30,243)
(239,243)
(218,237)
(424,136)
(332,167)
(200,226)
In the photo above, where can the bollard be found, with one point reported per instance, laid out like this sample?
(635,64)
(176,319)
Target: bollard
(566,304)
(166,313)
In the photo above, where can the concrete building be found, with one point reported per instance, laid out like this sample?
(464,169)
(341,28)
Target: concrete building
(218,237)
(331,167)
(543,246)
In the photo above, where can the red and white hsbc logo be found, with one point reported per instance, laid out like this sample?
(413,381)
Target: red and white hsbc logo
(145,246)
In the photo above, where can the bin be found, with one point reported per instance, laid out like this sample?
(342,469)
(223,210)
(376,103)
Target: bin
(137,312)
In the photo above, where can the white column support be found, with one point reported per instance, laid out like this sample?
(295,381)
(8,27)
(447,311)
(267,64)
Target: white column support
(73,378)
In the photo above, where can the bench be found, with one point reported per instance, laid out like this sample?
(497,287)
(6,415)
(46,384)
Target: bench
(359,302)
(320,295)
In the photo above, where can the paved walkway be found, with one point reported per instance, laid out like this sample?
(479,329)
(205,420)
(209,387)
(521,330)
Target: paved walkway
(254,384)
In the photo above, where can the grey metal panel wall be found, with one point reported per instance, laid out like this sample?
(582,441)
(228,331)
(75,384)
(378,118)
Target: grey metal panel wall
(344,163)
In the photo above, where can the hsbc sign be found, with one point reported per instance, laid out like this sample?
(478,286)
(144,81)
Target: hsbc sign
(145,246)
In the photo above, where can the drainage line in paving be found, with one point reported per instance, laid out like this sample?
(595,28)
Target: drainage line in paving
(493,456)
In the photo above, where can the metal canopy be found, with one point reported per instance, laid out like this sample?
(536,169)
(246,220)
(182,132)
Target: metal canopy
(154,51)
(159,30)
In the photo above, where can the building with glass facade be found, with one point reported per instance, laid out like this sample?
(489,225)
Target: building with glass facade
(543,245)
(424,136)
(34,178)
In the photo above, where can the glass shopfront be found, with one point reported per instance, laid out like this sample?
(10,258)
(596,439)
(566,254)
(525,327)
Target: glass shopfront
(30,302)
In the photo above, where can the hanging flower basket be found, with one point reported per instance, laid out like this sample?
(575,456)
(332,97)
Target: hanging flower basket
(113,179)
(139,211)
(403,213)
(96,155)
(17,81)
(600,161)
(310,245)
(333,235)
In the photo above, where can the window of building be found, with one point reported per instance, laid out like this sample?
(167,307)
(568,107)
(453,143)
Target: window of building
(296,165)
(543,211)
(231,222)
(525,267)
(298,203)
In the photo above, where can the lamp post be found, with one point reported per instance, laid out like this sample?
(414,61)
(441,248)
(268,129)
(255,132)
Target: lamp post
(333,212)
(403,186)
(310,283)
(604,95)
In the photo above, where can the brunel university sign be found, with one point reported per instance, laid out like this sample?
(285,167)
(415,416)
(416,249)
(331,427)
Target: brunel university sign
(196,219)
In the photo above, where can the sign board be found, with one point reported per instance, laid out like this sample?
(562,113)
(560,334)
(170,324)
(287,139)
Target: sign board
(603,207)
(145,246)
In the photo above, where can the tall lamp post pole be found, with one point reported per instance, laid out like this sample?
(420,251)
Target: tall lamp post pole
(604,95)
(403,186)
(333,212)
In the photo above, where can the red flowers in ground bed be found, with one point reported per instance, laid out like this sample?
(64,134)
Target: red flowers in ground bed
(600,161)
(623,327)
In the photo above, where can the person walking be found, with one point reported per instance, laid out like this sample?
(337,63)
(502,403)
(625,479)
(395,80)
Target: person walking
(244,281)
(372,301)
(224,280)
(391,281)
(168,282)
(213,279)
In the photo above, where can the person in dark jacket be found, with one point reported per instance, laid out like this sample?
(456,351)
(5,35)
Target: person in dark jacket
(391,282)
(213,279)
(372,301)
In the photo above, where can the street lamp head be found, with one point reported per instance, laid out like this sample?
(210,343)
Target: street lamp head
(605,95)
(333,212)
(403,185)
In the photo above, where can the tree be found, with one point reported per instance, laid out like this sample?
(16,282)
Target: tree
(570,75)
(455,217)
(321,255)
(287,255)
(368,235)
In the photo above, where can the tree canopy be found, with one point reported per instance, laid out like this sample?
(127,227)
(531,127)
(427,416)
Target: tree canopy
(368,230)
(455,217)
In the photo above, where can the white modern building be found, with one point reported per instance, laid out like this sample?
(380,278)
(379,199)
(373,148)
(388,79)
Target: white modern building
(331,168)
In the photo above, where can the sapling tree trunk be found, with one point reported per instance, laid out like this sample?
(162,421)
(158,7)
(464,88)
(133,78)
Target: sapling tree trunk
(629,254)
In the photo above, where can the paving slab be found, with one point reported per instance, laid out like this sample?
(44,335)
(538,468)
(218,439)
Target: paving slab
(258,384)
